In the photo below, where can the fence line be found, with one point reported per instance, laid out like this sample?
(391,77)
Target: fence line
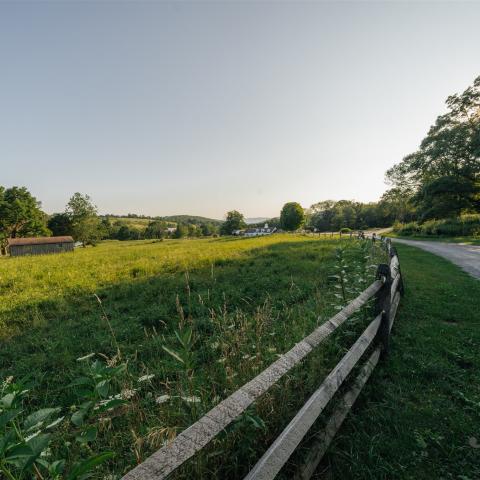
(160,464)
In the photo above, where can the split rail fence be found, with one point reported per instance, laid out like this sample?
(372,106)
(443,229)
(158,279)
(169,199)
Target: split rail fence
(386,290)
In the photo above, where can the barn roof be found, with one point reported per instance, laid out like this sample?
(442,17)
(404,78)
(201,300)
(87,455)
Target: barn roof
(38,240)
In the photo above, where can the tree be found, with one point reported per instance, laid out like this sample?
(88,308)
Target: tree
(60,224)
(181,231)
(123,233)
(208,229)
(234,221)
(443,175)
(321,215)
(108,230)
(20,215)
(156,229)
(292,216)
(83,215)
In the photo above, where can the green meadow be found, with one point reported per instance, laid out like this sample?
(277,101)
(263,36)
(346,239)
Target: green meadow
(134,341)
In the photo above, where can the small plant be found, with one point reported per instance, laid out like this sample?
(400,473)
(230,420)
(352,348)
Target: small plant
(26,439)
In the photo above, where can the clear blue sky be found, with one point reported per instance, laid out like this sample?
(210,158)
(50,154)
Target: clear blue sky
(168,108)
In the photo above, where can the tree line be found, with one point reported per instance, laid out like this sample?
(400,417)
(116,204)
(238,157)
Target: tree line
(21,216)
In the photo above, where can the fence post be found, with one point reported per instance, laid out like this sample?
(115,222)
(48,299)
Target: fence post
(392,252)
(383,302)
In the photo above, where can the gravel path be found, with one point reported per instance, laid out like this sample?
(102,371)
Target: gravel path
(466,257)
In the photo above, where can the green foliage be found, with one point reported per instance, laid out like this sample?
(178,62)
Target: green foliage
(208,229)
(330,216)
(465,225)
(193,219)
(156,229)
(292,216)
(234,221)
(60,224)
(181,231)
(28,440)
(84,219)
(20,214)
(443,176)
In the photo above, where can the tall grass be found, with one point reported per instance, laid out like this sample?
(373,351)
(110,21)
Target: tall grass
(184,323)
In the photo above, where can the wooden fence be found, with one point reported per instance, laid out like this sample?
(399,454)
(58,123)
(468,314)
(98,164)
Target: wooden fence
(386,289)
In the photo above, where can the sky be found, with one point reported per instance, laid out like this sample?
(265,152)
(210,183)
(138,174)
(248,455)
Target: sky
(198,108)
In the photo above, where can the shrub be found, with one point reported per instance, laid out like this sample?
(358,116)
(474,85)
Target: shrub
(466,225)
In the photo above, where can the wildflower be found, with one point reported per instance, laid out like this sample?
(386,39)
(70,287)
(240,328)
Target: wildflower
(144,378)
(46,453)
(86,357)
(162,399)
(192,399)
(128,393)
(272,350)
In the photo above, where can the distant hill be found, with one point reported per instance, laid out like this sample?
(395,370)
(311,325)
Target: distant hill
(250,221)
(195,219)
(141,221)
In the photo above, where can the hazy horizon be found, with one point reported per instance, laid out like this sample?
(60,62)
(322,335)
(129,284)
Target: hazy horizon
(200,108)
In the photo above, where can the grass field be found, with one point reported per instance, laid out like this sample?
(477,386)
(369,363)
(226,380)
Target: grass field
(419,416)
(164,331)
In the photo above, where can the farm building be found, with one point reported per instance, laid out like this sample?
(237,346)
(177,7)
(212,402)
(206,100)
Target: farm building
(255,232)
(39,245)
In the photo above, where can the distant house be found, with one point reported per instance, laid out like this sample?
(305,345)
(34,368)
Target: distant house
(258,232)
(171,229)
(39,245)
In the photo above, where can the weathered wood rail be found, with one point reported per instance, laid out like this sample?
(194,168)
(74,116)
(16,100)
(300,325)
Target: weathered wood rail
(386,290)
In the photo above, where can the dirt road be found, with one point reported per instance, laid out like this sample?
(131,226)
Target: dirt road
(466,257)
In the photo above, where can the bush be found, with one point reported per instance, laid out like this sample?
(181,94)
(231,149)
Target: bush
(345,230)
(466,225)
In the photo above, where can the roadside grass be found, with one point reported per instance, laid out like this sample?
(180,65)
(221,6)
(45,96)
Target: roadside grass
(187,322)
(419,415)
(468,240)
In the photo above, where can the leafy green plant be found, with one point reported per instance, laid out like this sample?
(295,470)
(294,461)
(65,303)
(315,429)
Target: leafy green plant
(26,438)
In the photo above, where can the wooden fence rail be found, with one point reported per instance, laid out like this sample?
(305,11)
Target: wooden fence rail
(386,290)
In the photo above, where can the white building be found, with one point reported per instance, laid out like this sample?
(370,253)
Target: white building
(258,232)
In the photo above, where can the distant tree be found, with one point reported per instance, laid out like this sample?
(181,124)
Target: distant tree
(123,233)
(234,221)
(83,215)
(60,224)
(208,229)
(20,215)
(180,231)
(107,228)
(321,215)
(292,216)
(156,229)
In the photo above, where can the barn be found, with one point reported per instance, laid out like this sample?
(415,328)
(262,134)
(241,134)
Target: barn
(39,245)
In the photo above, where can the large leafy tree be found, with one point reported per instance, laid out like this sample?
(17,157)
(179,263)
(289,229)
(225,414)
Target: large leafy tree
(20,214)
(60,224)
(234,221)
(86,224)
(156,229)
(292,216)
(444,173)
